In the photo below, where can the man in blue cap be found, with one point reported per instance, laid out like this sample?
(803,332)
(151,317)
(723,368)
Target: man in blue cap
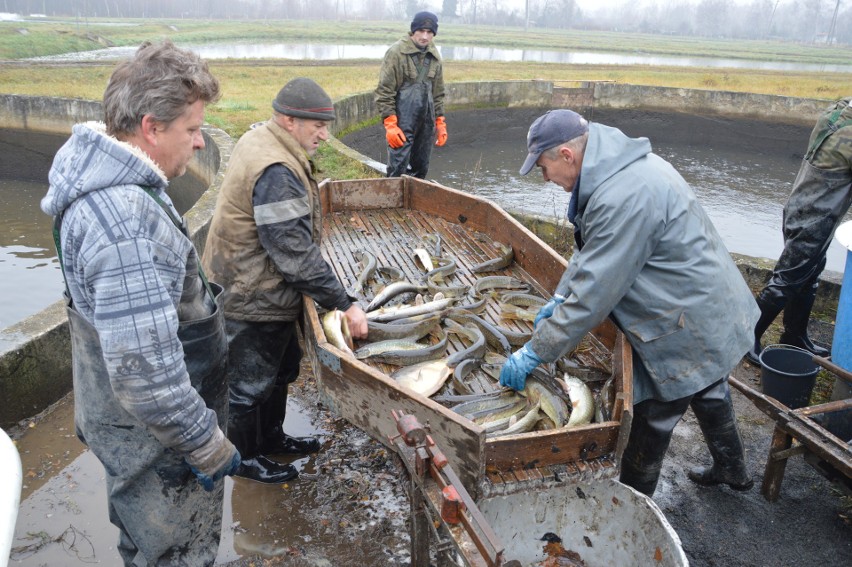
(410,98)
(648,257)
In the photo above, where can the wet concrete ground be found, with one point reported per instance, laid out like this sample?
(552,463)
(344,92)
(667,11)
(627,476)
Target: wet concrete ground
(350,507)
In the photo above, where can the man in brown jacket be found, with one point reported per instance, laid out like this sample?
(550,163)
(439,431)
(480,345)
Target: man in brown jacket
(263,248)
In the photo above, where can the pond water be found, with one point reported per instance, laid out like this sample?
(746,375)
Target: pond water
(326,52)
(30,276)
(742,171)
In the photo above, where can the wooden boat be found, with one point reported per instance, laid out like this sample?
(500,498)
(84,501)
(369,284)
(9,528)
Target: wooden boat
(389,217)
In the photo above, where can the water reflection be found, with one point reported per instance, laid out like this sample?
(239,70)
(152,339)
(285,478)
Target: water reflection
(30,276)
(331,52)
(742,171)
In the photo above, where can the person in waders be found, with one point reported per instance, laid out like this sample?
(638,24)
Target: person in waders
(147,333)
(649,258)
(410,98)
(820,198)
(263,247)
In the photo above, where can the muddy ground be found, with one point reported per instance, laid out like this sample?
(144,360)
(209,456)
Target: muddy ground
(349,507)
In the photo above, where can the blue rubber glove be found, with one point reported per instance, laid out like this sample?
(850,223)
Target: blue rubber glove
(208,482)
(547,309)
(517,366)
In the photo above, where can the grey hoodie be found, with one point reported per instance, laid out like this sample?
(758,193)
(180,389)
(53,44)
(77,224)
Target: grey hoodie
(653,260)
(125,264)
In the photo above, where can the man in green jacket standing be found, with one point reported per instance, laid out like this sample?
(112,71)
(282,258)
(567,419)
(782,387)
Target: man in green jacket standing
(410,97)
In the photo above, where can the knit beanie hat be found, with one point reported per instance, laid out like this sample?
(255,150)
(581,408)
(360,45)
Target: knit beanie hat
(303,98)
(425,21)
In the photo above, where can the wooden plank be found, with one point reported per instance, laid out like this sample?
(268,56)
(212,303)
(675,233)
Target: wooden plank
(543,448)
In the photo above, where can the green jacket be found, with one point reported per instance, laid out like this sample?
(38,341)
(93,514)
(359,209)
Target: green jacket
(398,68)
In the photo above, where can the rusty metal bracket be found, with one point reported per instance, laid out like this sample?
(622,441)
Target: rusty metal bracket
(440,486)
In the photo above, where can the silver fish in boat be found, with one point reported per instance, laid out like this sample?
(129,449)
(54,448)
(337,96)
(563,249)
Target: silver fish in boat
(503,260)
(336,330)
(425,378)
(581,399)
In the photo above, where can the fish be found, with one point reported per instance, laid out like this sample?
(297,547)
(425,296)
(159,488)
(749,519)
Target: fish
(456,399)
(411,354)
(390,273)
(524,424)
(605,401)
(510,311)
(446,267)
(474,335)
(522,299)
(384,314)
(490,408)
(550,403)
(502,261)
(581,400)
(499,282)
(425,378)
(423,260)
(381,347)
(460,373)
(368,268)
(435,241)
(336,330)
(392,290)
(493,336)
(396,330)
(447,290)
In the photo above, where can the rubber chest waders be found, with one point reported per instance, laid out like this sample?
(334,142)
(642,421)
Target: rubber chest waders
(163,513)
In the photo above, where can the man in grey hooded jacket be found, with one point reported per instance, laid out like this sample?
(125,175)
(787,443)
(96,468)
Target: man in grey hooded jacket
(649,258)
(148,339)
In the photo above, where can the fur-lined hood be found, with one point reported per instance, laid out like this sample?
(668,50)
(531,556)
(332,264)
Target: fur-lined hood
(91,160)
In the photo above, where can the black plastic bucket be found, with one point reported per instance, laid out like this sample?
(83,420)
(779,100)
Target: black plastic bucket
(788,374)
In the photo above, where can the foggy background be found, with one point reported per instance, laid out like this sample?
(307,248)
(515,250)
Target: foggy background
(808,21)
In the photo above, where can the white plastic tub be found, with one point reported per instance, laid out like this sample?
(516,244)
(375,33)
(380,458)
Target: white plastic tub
(605,522)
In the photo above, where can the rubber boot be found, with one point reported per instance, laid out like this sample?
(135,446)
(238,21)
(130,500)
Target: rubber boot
(796,316)
(770,305)
(273,439)
(719,427)
(650,435)
(243,433)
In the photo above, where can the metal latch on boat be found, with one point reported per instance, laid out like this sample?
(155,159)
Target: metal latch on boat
(434,485)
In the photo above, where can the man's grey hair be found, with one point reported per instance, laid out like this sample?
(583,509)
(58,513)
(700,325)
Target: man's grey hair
(577,145)
(160,80)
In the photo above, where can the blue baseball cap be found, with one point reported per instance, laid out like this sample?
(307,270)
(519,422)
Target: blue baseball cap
(550,130)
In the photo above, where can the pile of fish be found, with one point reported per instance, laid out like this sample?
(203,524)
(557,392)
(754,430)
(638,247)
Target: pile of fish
(414,336)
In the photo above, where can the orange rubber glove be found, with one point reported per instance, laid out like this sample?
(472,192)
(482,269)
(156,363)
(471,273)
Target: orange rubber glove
(441,131)
(393,133)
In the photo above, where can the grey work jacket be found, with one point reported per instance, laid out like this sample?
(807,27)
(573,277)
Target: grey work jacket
(653,260)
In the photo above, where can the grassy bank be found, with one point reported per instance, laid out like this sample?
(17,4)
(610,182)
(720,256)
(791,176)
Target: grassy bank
(248,87)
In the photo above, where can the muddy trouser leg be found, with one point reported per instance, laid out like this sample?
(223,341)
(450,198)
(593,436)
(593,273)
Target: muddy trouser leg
(650,434)
(816,206)
(715,414)
(770,303)
(398,159)
(421,152)
(273,410)
(255,355)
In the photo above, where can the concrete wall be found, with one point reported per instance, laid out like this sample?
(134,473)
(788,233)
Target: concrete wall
(35,354)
